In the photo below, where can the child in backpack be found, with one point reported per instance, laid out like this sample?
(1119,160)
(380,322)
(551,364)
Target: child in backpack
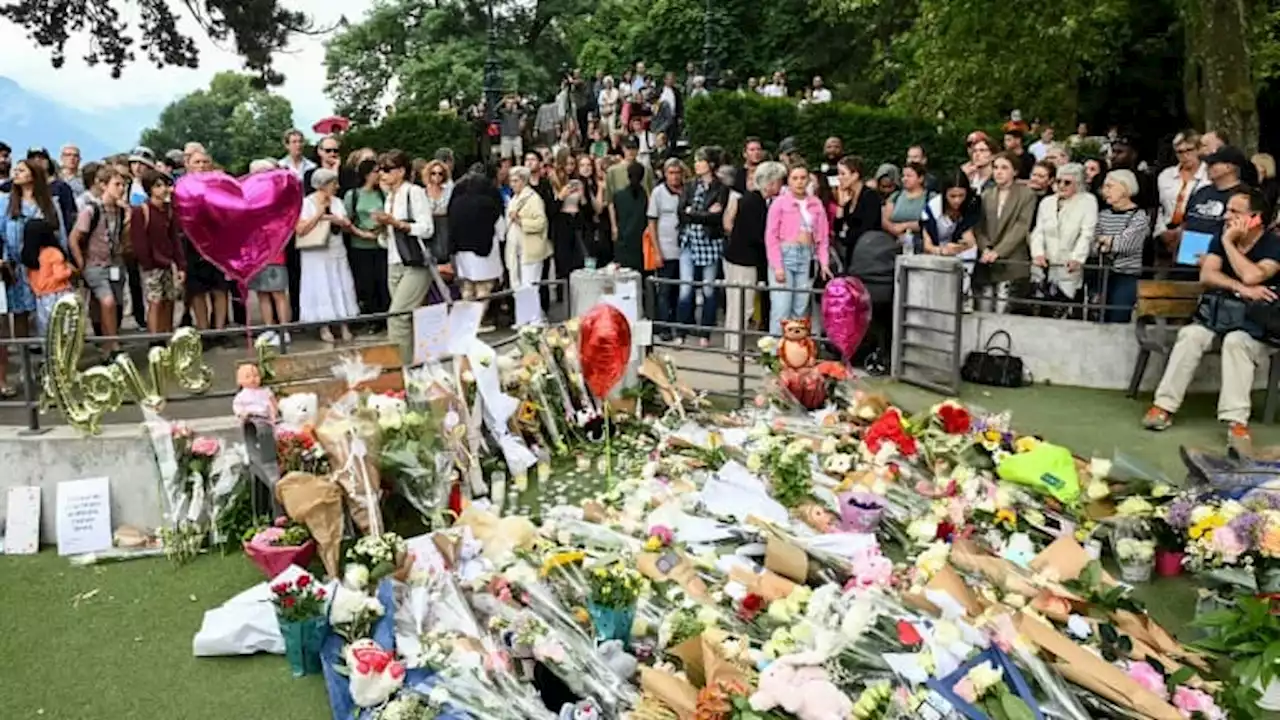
(49,270)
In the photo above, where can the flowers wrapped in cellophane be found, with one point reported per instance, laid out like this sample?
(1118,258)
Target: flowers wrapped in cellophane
(416,455)
(437,630)
(192,479)
(351,437)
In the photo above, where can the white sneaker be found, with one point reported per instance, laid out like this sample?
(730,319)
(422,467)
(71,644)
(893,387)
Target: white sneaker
(269,337)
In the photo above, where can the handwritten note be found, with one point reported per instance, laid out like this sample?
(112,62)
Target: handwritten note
(528,306)
(430,332)
(84,516)
(22,536)
(464,321)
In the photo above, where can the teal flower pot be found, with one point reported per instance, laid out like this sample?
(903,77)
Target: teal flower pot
(612,623)
(302,641)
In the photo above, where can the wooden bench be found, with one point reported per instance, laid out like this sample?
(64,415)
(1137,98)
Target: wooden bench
(1164,306)
(312,371)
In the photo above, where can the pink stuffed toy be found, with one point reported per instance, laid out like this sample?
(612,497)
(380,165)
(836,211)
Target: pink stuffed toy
(799,685)
(375,673)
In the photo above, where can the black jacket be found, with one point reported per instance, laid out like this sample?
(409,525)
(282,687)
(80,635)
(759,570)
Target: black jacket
(474,209)
(746,243)
(690,215)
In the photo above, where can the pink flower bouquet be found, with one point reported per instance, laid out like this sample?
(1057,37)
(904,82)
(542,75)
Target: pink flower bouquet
(275,548)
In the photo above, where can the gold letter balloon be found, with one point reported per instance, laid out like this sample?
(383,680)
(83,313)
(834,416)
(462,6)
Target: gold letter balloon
(85,395)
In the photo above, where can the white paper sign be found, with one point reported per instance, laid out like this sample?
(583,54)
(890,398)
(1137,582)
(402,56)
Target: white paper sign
(528,306)
(644,333)
(22,536)
(464,320)
(84,516)
(430,332)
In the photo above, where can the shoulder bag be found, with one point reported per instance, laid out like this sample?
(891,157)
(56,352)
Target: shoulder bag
(317,237)
(412,250)
(1221,312)
(995,364)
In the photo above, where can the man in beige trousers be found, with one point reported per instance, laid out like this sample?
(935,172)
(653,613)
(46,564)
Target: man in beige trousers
(1241,265)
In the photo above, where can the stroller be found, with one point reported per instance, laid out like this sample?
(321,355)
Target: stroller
(872,261)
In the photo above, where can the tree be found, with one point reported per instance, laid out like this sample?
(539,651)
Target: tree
(236,122)
(1219,73)
(258,28)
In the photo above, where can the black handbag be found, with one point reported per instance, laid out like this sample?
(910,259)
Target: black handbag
(412,250)
(1265,319)
(1222,312)
(994,365)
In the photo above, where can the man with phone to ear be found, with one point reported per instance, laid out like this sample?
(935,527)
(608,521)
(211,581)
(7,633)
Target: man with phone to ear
(1239,270)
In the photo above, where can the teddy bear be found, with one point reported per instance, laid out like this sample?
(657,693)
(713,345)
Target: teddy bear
(299,410)
(582,710)
(390,409)
(797,350)
(375,673)
(622,663)
(798,685)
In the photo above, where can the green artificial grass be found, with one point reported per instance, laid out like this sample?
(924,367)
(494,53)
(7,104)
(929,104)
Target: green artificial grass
(125,652)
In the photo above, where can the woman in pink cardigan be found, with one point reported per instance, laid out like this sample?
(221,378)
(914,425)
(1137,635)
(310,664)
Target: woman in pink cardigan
(795,231)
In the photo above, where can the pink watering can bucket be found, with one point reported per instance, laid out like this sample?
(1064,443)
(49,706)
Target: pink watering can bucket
(860,512)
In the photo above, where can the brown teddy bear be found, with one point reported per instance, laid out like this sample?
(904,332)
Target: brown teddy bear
(797,350)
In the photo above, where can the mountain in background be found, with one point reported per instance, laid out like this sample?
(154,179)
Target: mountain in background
(28,118)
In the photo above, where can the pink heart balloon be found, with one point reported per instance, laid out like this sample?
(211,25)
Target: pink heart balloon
(846,314)
(239,225)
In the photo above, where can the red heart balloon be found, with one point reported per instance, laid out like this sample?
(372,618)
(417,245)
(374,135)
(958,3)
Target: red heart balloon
(604,346)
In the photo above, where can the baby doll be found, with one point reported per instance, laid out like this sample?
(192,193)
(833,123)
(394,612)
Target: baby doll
(255,406)
(253,402)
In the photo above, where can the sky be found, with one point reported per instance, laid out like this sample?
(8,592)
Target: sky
(144,84)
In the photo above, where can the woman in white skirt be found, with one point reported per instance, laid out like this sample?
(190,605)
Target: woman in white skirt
(327,292)
(475,214)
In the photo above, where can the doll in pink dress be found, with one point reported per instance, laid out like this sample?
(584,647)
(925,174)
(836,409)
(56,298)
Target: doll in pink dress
(255,406)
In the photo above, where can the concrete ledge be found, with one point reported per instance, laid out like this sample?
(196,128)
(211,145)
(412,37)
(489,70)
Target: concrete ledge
(1082,354)
(122,453)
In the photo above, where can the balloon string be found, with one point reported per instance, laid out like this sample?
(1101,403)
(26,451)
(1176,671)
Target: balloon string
(248,316)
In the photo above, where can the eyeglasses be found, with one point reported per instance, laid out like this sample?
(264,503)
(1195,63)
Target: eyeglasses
(1065,183)
(436,174)
(1185,150)
(329,150)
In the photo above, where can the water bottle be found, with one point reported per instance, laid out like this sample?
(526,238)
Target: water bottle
(908,244)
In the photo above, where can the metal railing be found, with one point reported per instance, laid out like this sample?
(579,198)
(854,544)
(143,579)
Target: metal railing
(30,350)
(1089,303)
(747,352)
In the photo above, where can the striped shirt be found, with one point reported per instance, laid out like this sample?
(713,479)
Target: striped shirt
(1129,231)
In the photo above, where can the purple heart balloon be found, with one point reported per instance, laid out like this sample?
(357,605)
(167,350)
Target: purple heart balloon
(846,314)
(239,226)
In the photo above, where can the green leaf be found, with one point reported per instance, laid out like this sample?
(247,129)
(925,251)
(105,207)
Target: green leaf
(1015,708)
(1180,677)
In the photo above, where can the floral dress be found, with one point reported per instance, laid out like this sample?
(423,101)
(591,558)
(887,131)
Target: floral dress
(21,298)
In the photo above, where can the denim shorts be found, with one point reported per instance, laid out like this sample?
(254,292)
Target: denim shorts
(272,278)
(98,279)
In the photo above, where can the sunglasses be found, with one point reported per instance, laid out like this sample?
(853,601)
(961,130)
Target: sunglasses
(1186,150)
(328,151)
(436,174)
(388,168)
(1066,183)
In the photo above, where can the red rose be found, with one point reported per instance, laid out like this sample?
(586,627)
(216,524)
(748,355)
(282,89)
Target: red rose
(304,581)
(289,601)
(888,428)
(280,588)
(945,531)
(955,419)
(320,593)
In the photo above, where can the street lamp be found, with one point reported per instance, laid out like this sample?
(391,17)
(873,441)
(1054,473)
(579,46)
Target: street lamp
(492,71)
(708,63)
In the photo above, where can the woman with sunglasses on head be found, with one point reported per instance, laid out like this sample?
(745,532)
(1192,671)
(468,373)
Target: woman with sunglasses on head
(406,226)
(435,180)
(1063,235)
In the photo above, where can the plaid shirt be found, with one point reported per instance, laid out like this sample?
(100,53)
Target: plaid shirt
(704,249)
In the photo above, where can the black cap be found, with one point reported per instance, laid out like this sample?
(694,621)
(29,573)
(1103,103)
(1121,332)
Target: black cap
(631,143)
(37,151)
(1229,154)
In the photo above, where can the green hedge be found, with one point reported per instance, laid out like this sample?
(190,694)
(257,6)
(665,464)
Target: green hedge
(875,134)
(417,133)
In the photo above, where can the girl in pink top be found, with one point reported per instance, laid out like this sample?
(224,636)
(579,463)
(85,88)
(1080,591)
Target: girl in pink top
(795,233)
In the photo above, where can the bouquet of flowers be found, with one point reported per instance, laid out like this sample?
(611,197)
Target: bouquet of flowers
(186,464)
(614,591)
(299,451)
(275,548)
(786,461)
(414,454)
(300,609)
(372,558)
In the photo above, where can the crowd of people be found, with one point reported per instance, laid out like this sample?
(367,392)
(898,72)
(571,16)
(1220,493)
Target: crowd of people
(1055,228)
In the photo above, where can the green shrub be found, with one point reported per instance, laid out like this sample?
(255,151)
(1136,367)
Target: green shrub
(875,134)
(417,133)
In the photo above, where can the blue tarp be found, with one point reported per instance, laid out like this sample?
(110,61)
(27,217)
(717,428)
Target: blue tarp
(340,702)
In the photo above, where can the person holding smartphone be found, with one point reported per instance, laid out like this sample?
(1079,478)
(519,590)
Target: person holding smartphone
(1238,271)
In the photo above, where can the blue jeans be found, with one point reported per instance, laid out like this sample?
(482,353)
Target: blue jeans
(790,298)
(1122,290)
(690,273)
(666,299)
